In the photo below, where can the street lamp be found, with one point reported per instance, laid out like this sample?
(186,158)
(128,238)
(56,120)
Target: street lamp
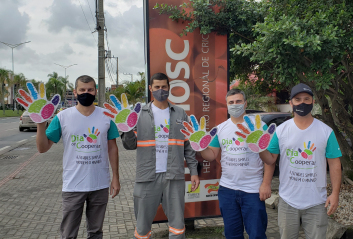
(13,68)
(65,67)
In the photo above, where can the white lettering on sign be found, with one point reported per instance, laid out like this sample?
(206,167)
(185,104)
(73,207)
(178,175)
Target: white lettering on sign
(176,73)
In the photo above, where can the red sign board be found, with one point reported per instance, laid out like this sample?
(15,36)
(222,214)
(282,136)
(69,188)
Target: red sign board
(197,68)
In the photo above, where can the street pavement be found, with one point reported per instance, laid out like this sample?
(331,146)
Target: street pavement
(10,134)
(30,197)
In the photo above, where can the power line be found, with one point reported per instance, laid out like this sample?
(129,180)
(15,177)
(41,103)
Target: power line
(109,72)
(90,10)
(87,21)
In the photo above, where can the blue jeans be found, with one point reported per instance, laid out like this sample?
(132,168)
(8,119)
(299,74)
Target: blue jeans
(241,209)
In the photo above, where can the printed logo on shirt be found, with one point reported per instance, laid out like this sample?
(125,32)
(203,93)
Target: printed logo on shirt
(233,145)
(164,129)
(92,137)
(302,157)
(80,143)
(239,141)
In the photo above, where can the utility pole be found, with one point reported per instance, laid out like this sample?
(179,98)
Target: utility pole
(101,53)
(12,46)
(117,72)
(129,74)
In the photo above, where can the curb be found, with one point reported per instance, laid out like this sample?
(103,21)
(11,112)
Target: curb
(16,146)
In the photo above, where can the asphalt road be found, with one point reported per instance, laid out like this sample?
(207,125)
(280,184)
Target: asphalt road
(10,134)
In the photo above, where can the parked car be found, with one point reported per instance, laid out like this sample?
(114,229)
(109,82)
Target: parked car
(27,123)
(277,118)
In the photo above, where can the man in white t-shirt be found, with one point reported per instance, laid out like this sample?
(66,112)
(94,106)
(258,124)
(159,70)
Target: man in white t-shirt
(245,182)
(89,139)
(304,144)
(160,154)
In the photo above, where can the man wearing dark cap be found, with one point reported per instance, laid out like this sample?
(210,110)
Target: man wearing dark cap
(305,145)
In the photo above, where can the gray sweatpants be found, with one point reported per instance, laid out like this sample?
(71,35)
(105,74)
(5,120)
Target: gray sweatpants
(148,196)
(73,202)
(314,221)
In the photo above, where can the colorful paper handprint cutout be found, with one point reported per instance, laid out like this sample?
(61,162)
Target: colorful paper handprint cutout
(37,105)
(308,151)
(121,114)
(255,136)
(199,138)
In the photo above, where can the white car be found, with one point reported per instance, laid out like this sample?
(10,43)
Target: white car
(27,123)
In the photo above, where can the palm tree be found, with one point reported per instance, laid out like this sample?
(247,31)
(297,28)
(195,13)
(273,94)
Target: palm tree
(4,78)
(54,85)
(20,82)
(67,85)
(135,91)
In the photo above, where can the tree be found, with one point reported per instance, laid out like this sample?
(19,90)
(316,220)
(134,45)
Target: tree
(287,42)
(4,79)
(54,85)
(135,91)
(19,81)
(67,85)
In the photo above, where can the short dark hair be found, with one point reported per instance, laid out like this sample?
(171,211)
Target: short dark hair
(159,76)
(234,92)
(85,79)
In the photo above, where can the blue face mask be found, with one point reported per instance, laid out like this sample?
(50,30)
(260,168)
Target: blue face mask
(160,95)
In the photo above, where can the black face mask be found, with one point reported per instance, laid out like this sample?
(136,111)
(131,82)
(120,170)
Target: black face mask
(86,99)
(302,109)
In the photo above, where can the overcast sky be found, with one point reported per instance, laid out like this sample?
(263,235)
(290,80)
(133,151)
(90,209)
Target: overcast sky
(59,33)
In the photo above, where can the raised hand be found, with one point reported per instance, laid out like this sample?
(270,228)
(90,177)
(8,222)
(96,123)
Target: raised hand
(37,105)
(307,153)
(124,118)
(199,138)
(255,136)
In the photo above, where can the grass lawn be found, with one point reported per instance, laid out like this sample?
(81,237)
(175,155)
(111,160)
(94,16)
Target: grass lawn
(10,113)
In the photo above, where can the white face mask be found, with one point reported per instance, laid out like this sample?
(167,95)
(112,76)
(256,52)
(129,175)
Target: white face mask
(236,110)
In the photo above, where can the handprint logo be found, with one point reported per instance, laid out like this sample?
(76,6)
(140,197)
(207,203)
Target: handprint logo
(308,151)
(166,127)
(39,109)
(93,135)
(256,137)
(239,141)
(125,118)
(199,138)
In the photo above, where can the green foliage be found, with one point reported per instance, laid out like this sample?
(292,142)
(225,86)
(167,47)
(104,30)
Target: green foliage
(135,91)
(55,85)
(284,43)
(4,79)
(257,100)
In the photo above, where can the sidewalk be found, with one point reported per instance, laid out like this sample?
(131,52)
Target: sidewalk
(30,197)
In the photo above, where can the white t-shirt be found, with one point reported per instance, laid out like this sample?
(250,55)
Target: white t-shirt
(241,168)
(85,139)
(302,162)
(161,124)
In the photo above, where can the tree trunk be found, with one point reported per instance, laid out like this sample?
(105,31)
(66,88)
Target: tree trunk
(327,118)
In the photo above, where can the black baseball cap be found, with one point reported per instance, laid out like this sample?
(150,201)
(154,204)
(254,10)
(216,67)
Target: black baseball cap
(300,88)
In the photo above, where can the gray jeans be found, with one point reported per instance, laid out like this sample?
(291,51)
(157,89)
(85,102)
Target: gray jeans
(149,195)
(314,221)
(73,202)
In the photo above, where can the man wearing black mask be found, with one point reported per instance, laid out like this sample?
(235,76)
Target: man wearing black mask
(305,145)
(89,139)
(161,149)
